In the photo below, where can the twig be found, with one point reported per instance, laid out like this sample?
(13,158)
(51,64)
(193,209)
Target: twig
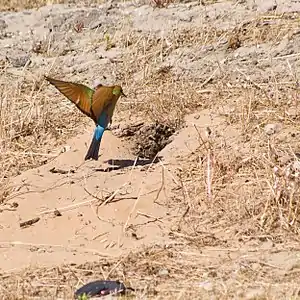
(209,78)
(149,216)
(162,184)
(66,208)
(79,248)
(72,206)
(55,170)
(209,172)
(111,197)
(282,57)
(99,235)
(29,222)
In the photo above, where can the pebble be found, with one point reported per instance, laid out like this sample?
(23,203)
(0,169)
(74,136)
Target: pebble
(271,129)
(163,272)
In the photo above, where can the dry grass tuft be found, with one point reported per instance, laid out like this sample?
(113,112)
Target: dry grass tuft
(162,94)
(268,28)
(246,175)
(16,5)
(33,125)
(161,3)
(156,272)
(19,5)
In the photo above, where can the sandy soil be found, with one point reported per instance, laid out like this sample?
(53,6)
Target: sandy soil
(209,216)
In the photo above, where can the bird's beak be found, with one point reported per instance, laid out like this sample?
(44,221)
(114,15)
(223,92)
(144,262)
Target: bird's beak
(123,94)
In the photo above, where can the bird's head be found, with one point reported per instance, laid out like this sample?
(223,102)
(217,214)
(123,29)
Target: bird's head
(118,91)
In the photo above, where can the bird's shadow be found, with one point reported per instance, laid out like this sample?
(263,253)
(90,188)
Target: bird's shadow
(117,164)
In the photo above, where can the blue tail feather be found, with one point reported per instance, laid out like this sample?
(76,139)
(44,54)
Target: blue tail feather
(93,151)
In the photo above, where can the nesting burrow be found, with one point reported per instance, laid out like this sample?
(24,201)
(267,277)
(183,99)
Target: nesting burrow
(148,139)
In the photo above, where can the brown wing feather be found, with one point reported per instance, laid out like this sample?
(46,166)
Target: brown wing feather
(102,97)
(104,100)
(79,94)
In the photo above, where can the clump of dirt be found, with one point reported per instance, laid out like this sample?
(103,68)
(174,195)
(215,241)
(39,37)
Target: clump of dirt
(148,139)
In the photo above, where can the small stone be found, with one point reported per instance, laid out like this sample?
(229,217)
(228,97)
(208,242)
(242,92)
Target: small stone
(39,47)
(255,266)
(163,272)
(271,129)
(296,166)
(57,213)
(272,7)
(187,19)
(3,25)
(65,148)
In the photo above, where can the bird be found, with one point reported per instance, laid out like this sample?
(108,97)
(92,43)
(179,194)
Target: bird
(98,104)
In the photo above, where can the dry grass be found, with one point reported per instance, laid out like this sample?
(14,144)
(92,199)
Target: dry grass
(175,271)
(156,85)
(33,124)
(19,5)
(254,185)
(255,176)
(16,5)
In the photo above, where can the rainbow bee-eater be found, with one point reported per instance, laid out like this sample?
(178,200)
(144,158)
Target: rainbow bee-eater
(98,104)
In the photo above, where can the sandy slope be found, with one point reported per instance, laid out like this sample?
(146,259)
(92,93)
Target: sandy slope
(139,196)
(81,233)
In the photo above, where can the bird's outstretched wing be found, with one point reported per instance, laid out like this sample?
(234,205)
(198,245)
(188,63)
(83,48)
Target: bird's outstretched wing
(79,94)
